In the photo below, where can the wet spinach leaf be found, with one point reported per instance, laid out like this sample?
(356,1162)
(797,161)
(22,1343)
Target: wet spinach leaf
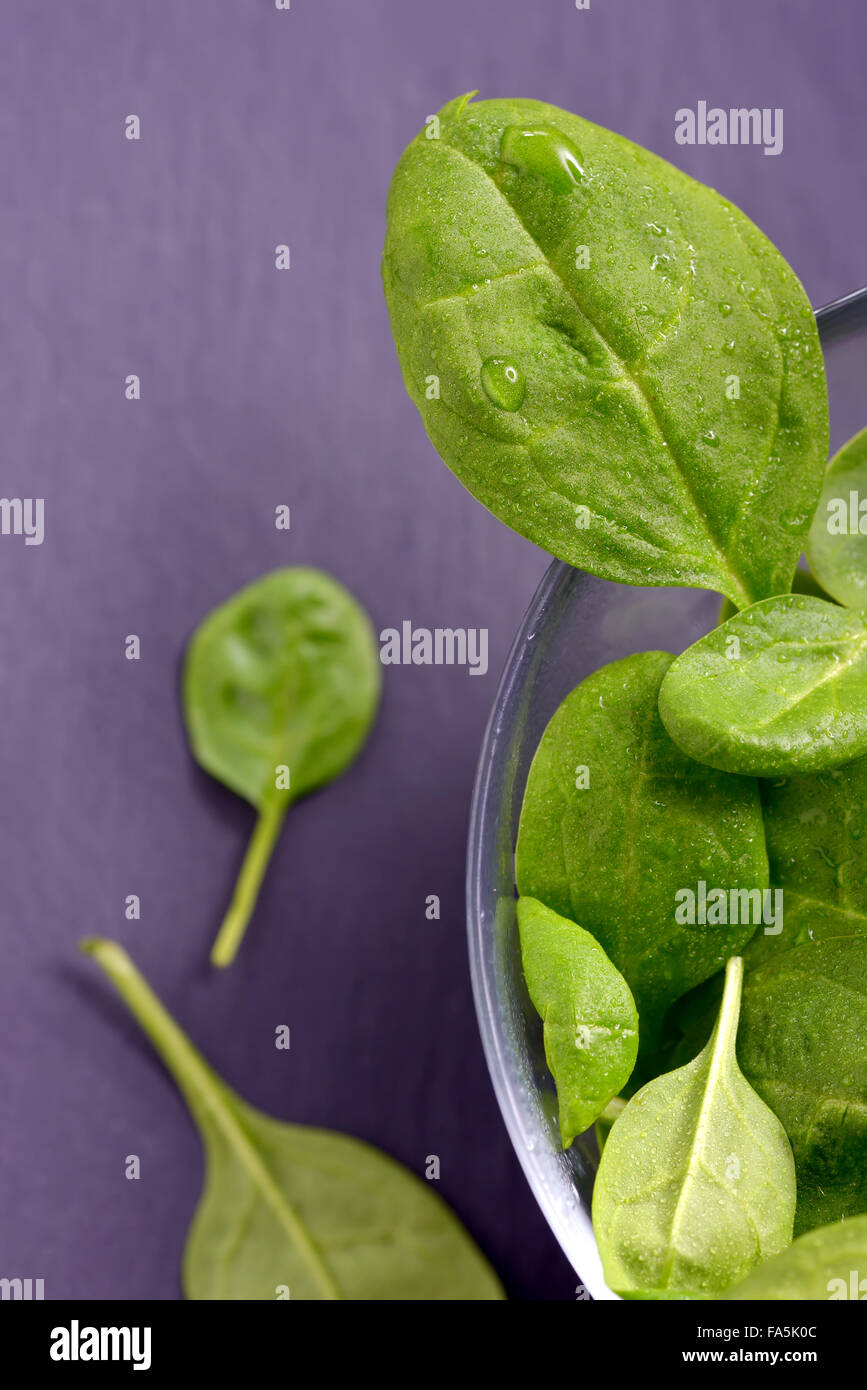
(618,825)
(778,689)
(609,355)
(828,1263)
(612,1112)
(293,1212)
(591,1026)
(816,834)
(281,685)
(803,583)
(696,1183)
(801,1046)
(837,543)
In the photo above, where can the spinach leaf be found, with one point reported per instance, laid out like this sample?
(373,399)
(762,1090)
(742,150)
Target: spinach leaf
(618,826)
(801,1046)
(803,583)
(610,356)
(780,688)
(613,1110)
(816,834)
(591,1027)
(281,685)
(828,1263)
(696,1183)
(837,543)
(314,1213)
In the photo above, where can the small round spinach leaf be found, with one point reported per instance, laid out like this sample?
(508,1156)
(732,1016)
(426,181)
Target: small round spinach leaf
(298,1213)
(802,1047)
(619,827)
(826,1264)
(590,1022)
(610,356)
(779,688)
(837,543)
(280,688)
(696,1183)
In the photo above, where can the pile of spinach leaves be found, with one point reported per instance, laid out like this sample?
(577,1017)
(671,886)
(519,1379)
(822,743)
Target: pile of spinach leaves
(619,365)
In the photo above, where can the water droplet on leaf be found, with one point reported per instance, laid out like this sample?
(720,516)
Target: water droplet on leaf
(503,383)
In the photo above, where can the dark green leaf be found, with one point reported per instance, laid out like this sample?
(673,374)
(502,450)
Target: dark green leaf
(591,1027)
(281,685)
(816,833)
(802,1047)
(837,543)
(610,356)
(292,1212)
(780,688)
(696,1183)
(828,1263)
(617,822)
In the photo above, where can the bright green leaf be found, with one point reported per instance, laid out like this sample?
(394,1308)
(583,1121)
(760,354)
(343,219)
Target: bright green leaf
(591,1027)
(281,685)
(828,1263)
(696,1183)
(778,689)
(609,355)
(837,543)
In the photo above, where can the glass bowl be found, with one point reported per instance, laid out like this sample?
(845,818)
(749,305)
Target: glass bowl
(574,625)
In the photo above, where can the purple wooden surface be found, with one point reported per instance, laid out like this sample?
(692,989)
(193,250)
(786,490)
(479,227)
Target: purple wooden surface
(260,388)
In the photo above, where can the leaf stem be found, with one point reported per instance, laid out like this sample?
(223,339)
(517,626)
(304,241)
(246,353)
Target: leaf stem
(249,880)
(206,1095)
(185,1062)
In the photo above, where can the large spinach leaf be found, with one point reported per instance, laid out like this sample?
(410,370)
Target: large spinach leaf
(779,688)
(618,825)
(292,1212)
(837,543)
(281,685)
(591,1027)
(829,1263)
(609,355)
(696,1182)
(801,1046)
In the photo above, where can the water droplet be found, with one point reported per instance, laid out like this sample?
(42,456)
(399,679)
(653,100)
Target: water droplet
(545,153)
(503,383)
(710,438)
(725,309)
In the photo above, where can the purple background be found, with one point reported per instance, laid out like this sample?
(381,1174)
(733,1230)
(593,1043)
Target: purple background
(261,388)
